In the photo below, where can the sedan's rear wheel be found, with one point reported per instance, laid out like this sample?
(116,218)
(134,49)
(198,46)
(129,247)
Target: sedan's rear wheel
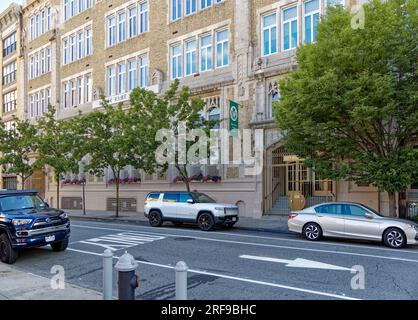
(394,238)
(312,232)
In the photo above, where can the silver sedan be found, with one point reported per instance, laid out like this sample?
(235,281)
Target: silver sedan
(352,221)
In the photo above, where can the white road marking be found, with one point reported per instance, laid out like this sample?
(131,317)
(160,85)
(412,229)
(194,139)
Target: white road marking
(298,263)
(119,241)
(274,246)
(359,246)
(219,275)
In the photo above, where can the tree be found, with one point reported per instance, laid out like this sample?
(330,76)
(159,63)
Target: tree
(57,142)
(18,148)
(108,141)
(172,111)
(350,109)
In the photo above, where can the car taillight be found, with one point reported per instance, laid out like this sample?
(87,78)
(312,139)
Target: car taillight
(293,215)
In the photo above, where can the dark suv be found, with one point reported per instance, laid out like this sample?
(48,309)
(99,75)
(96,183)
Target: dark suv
(26,221)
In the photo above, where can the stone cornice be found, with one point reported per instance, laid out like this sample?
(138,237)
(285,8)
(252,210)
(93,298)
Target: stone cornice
(9,16)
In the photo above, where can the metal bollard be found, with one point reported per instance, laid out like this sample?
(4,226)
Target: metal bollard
(181,280)
(127,280)
(107,275)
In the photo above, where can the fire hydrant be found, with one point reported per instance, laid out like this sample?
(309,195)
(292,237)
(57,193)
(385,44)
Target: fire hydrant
(127,279)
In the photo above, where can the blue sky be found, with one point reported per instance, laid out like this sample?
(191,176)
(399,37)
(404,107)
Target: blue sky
(5,3)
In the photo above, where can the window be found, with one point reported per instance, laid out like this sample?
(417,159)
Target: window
(42,107)
(222,50)
(205,4)
(32,28)
(48,19)
(176,62)
(176,9)
(311,21)
(43,21)
(42,62)
(330,209)
(205,53)
(274,96)
(72,8)
(191,6)
(143,13)
(290,28)
(121,26)
(78,45)
(9,73)
(111,83)
(153,197)
(37,65)
(76,91)
(133,78)
(269,36)
(335,2)
(111,31)
(121,78)
(31,107)
(144,71)
(48,59)
(9,45)
(32,68)
(191,59)
(133,29)
(184,197)
(9,101)
(214,114)
(354,210)
(170,197)
(37,103)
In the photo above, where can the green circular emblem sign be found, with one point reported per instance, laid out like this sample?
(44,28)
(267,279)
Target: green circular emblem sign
(233,113)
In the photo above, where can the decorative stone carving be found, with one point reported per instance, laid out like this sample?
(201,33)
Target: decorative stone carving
(97,93)
(157,77)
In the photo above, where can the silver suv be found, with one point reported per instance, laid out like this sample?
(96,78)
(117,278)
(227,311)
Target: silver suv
(188,207)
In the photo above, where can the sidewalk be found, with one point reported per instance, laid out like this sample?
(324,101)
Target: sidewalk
(19,285)
(270,223)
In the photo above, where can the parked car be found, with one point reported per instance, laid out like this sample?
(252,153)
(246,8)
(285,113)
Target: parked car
(352,221)
(189,207)
(26,221)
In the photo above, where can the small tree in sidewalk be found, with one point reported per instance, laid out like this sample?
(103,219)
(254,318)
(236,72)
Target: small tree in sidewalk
(57,144)
(18,147)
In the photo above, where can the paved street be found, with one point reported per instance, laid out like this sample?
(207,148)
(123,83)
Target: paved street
(231,264)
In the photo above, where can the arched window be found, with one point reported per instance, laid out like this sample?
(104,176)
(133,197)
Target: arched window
(274,96)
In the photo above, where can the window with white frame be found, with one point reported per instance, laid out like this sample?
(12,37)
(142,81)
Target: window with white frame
(269,34)
(205,4)
(222,48)
(39,102)
(78,45)
(290,28)
(71,8)
(311,12)
(40,23)
(176,65)
(127,23)
(126,75)
(191,7)
(334,3)
(39,63)
(205,53)
(9,73)
(9,101)
(9,44)
(190,57)
(9,126)
(77,91)
(176,9)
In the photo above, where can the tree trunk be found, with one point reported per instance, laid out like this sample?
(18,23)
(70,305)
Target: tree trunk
(392,204)
(23,183)
(186,178)
(58,191)
(117,196)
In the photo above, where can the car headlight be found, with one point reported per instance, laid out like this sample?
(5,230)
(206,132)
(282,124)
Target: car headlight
(64,216)
(220,208)
(21,222)
(415,227)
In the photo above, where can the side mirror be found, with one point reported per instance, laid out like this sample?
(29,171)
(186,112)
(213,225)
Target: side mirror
(368,215)
(190,201)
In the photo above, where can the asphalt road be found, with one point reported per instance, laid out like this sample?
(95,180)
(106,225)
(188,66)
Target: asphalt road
(233,264)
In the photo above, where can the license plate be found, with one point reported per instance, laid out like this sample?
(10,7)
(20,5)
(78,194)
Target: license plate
(50,239)
(234,219)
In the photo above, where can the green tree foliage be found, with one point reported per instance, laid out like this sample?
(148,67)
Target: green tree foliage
(351,107)
(56,145)
(153,113)
(18,148)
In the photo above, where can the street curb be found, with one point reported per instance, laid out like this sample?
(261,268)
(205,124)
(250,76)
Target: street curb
(139,222)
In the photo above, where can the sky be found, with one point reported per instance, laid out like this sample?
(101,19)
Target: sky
(5,3)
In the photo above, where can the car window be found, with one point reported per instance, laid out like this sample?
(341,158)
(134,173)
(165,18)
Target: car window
(153,197)
(170,197)
(183,197)
(11,203)
(354,210)
(330,209)
(202,198)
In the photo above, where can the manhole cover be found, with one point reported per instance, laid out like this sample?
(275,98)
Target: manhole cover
(183,239)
